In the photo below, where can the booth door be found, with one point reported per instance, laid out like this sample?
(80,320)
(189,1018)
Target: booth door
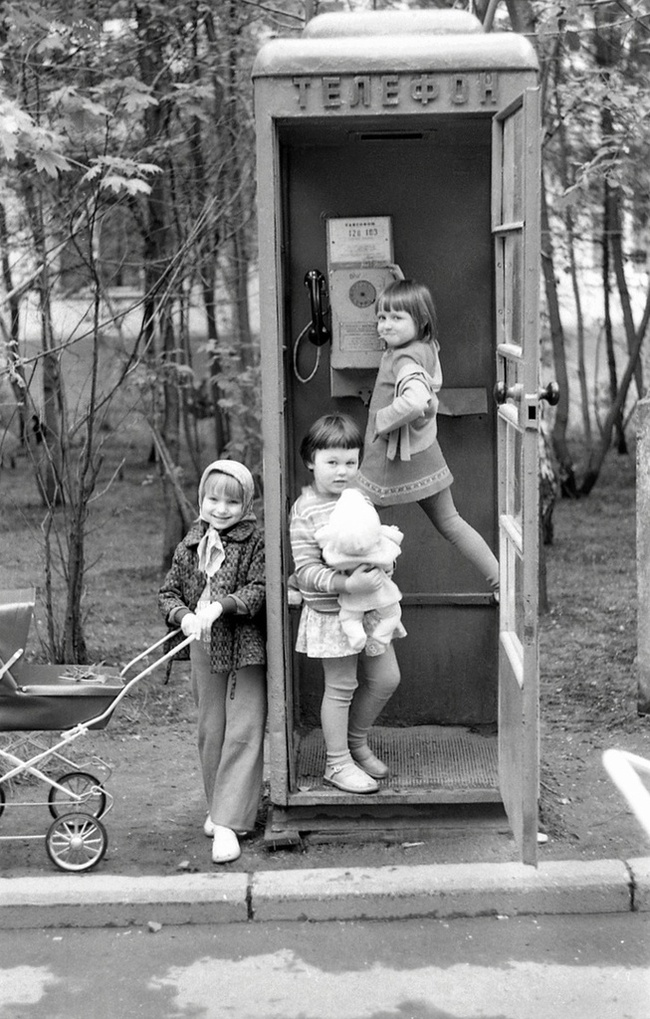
(516,234)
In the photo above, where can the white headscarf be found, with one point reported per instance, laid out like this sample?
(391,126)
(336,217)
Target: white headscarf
(210,549)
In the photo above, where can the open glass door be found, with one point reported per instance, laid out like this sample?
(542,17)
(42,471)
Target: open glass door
(516,233)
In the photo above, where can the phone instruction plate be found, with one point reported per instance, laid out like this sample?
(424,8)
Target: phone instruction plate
(357,240)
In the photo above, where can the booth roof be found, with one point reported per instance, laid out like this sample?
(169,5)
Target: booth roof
(439,21)
(407,52)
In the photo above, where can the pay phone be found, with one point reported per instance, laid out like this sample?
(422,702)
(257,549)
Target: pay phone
(360,264)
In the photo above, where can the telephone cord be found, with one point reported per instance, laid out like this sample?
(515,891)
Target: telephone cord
(296,347)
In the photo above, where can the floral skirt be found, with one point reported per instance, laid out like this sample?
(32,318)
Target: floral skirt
(320,635)
(392,482)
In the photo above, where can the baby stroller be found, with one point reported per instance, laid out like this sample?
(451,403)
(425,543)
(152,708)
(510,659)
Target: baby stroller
(39,699)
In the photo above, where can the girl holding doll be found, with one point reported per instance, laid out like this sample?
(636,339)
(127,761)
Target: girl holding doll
(331,451)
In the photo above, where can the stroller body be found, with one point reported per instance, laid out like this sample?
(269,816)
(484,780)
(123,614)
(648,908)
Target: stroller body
(45,697)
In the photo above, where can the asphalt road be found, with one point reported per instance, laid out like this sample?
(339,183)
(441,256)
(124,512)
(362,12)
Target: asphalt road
(576,967)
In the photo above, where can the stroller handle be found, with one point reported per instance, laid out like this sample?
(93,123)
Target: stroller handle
(5,674)
(83,726)
(147,651)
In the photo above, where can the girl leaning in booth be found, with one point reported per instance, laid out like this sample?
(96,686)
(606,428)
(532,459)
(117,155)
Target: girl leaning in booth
(403,461)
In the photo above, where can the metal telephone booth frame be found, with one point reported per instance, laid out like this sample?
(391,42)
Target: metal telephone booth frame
(420,133)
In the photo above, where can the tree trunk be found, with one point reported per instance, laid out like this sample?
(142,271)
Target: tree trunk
(173,524)
(608,54)
(17,373)
(74,642)
(50,464)
(559,433)
(566,179)
(609,334)
(159,242)
(598,455)
(222,432)
(597,458)
(522,17)
(80,487)
(616,248)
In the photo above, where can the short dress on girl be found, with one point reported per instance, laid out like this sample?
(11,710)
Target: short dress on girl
(320,635)
(402,459)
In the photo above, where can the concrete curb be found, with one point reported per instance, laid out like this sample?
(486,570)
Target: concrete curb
(85,900)
(436,891)
(443,891)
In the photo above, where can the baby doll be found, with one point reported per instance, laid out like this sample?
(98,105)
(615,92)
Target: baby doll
(356,537)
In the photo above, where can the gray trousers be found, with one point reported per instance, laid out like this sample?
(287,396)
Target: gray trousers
(232,716)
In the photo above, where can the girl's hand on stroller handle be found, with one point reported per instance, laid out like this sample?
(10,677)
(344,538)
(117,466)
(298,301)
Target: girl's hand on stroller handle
(190,625)
(206,616)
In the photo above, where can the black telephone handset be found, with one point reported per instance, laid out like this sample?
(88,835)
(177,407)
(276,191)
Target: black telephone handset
(318,332)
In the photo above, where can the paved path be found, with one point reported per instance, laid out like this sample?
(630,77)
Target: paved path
(585,967)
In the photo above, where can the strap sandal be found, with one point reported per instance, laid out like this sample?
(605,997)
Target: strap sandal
(350,779)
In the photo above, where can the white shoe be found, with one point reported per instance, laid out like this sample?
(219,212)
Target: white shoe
(370,764)
(225,845)
(350,779)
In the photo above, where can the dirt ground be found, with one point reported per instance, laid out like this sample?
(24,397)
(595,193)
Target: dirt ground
(588,697)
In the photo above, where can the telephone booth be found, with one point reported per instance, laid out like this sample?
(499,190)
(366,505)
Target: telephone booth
(408,138)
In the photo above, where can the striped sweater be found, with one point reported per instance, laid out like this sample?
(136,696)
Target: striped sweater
(309,512)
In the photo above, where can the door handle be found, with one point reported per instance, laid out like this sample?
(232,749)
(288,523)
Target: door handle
(550,393)
(502,393)
(318,333)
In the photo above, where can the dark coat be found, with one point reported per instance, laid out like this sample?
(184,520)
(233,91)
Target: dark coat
(238,639)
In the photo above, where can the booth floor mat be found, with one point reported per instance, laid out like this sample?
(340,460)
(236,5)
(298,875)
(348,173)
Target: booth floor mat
(419,757)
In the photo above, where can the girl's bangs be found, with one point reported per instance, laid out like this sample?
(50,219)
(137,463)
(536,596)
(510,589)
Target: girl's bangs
(223,484)
(392,303)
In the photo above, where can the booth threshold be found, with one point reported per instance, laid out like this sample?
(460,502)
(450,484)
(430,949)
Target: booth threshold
(439,776)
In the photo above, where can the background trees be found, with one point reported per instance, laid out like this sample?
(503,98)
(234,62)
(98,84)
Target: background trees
(127,240)
(596,120)
(128,236)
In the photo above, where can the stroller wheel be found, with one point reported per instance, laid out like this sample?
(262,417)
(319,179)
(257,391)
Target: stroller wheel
(86,795)
(76,841)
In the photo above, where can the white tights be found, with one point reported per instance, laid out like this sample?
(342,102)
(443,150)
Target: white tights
(349,708)
(444,516)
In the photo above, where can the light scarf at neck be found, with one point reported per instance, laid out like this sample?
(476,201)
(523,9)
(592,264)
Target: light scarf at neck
(210,552)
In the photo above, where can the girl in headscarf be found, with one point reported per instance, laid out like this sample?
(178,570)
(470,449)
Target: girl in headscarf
(214,591)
